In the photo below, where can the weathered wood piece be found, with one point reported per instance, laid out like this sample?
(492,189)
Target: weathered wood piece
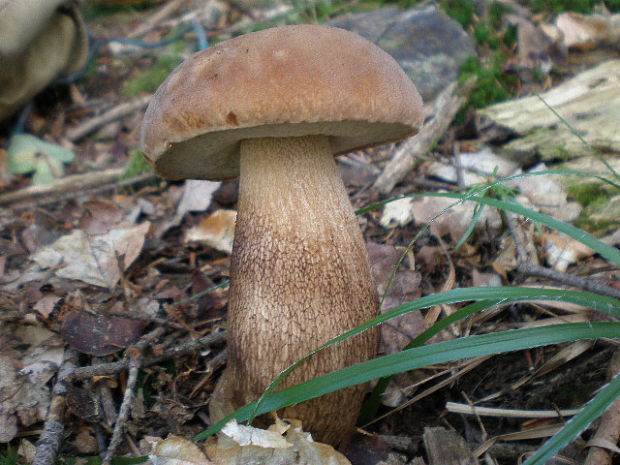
(403,161)
(589,103)
(444,447)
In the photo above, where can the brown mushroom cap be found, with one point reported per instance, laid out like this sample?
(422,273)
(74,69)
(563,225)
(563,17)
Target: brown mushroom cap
(282,82)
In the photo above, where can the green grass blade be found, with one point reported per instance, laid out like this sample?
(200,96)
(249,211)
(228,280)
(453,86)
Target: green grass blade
(501,294)
(471,226)
(499,182)
(418,357)
(578,423)
(372,404)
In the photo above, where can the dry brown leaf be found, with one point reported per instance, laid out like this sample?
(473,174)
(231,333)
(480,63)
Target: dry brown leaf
(562,251)
(97,260)
(405,287)
(281,444)
(176,450)
(217,230)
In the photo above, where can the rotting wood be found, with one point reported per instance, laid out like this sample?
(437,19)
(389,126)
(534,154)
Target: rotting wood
(589,104)
(444,447)
(403,161)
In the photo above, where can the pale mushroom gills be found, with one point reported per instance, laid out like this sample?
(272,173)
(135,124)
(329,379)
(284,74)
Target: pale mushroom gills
(273,107)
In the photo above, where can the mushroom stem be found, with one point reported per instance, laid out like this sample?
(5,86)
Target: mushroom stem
(300,276)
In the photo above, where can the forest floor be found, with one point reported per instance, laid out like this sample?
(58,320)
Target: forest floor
(106,257)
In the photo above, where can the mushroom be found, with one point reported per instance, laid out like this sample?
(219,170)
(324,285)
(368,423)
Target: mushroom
(273,107)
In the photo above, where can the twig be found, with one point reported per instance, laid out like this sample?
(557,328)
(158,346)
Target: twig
(212,366)
(530,269)
(456,407)
(458,166)
(116,367)
(49,441)
(70,187)
(511,222)
(156,17)
(70,183)
(146,318)
(135,362)
(446,106)
(115,113)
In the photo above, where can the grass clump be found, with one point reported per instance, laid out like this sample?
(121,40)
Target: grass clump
(9,456)
(492,83)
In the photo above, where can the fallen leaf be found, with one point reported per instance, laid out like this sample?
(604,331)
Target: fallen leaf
(99,334)
(282,444)
(562,251)
(397,213)
(454,221)
(196,197)
(28,154)
(176,450)
(45,305)
(405,287)
(93,259)
(100,216)
(27,450)
(217,231)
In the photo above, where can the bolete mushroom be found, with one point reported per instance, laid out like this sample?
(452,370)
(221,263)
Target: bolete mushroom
(273,107)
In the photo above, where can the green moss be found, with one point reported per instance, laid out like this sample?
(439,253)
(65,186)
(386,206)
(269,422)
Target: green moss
(149,80)
(597,228)
(557,152)
(135,165)
(492,84)
(460,10)
(589,195)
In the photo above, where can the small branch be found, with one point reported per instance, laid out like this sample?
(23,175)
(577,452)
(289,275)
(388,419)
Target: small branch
(156,17)
(49,441)
(527,268)
(530,269)
(70,187)
(445,108)
(182,349)
(72,183)
(135,362)
(511,222)
(456,407)
(113,114)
